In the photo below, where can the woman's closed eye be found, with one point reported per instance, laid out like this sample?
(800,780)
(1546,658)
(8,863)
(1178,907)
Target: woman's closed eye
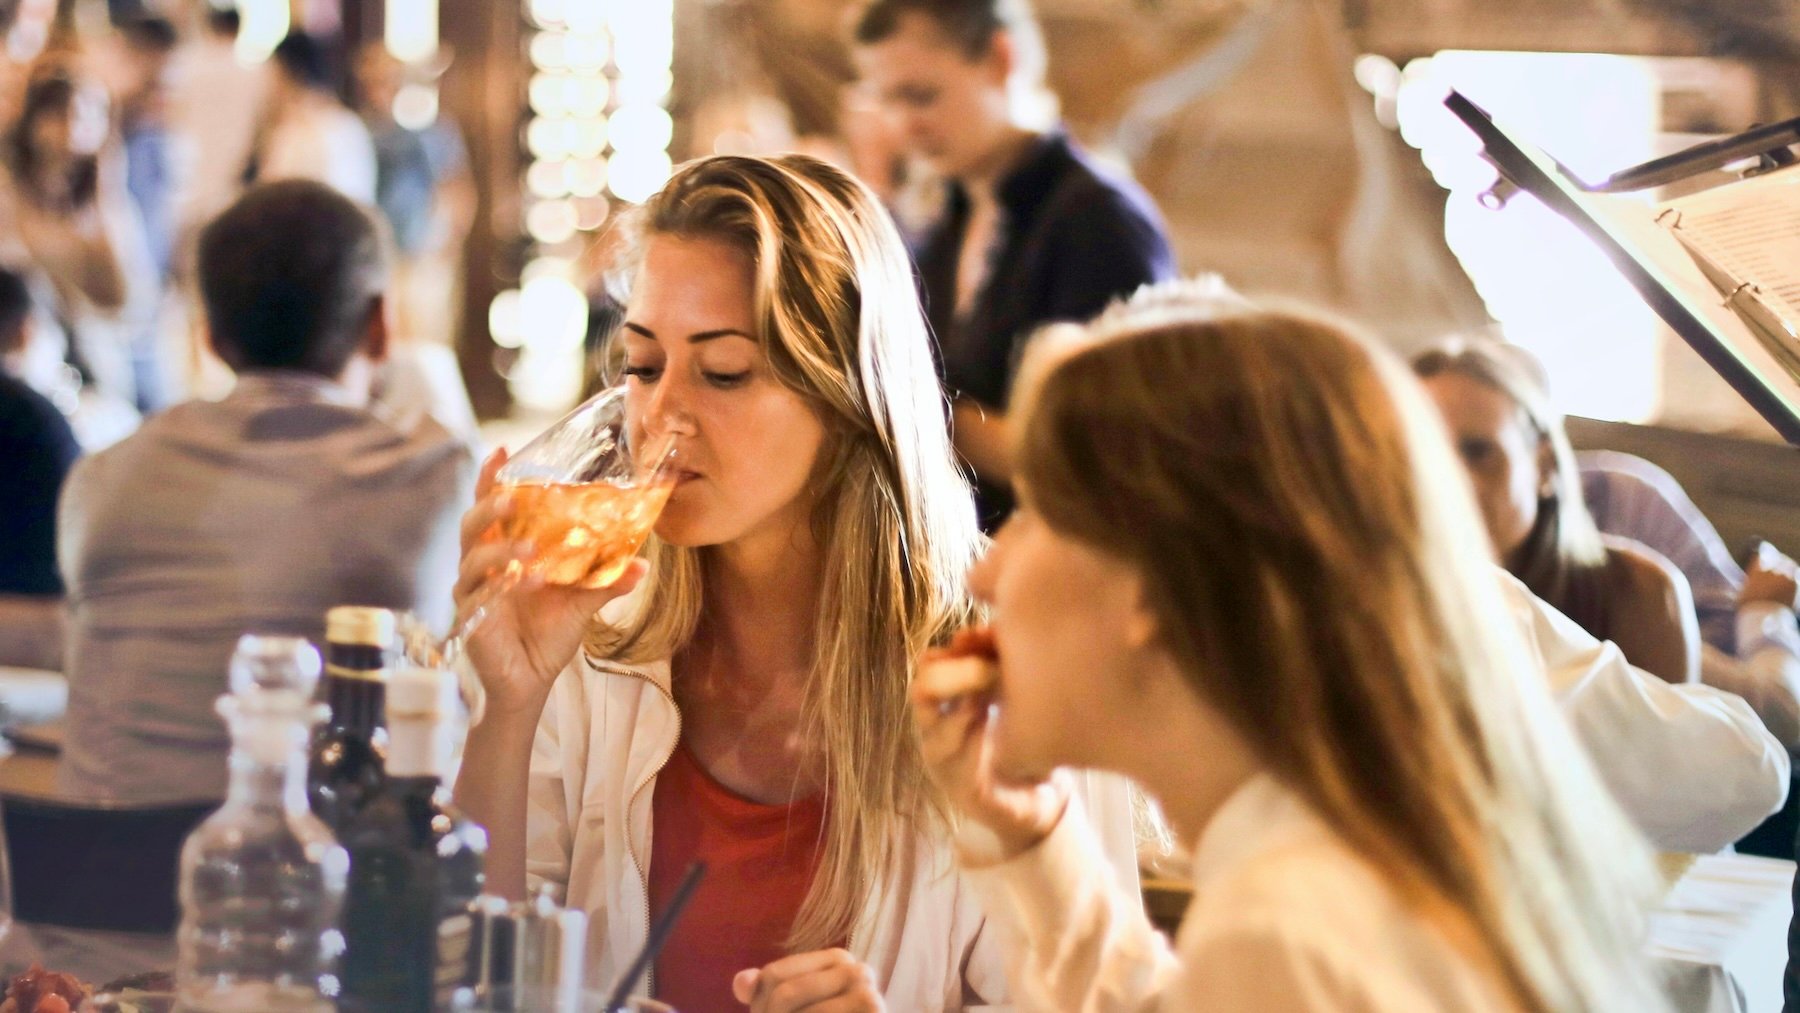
(726,381)
(721,379)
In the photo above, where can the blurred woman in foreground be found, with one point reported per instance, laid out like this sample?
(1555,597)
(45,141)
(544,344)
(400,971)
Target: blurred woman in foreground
(1243,533)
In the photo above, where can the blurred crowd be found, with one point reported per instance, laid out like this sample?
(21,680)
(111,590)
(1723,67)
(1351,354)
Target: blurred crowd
(1232,555)
(120,144)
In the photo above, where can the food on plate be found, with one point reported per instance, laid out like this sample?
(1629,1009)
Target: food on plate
(42,991)
(152,992)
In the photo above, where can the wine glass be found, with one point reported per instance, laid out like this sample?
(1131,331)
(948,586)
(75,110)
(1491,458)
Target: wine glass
(585,495)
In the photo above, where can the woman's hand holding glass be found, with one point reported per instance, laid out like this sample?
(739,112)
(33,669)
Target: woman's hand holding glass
(1003,816)
(529,630)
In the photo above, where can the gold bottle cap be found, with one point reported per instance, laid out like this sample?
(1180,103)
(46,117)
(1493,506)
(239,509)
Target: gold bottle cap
(360,625)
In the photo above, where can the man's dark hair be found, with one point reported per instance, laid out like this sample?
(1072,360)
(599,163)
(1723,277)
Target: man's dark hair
(15,309)
(289,274)
(307,59)
(150,33)
(224,20)
(969,24)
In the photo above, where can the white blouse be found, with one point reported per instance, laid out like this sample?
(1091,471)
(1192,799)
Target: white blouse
(1285,917)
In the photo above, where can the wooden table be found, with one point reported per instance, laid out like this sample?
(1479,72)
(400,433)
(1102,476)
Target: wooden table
(30,772)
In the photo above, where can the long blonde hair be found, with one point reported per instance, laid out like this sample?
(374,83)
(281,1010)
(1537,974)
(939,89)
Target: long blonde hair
(839,322)
(1318,569)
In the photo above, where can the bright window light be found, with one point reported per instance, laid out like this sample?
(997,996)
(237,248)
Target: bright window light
(416,106)
(504,322)
(411,30)
(547,179)
(551,222)
(547,51)
(585,177)
(636,175)
(635,128)
(587,56)
(262,26)
(1550,289)
(549,13)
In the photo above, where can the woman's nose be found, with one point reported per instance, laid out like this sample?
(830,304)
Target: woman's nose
(669,413)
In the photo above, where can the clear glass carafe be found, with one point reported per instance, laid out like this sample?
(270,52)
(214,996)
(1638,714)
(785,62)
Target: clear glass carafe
(262,880)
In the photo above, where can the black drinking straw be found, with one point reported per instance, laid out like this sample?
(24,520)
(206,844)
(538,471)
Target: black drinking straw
(659,934)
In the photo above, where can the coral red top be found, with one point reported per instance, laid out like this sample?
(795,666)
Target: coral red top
(760,862)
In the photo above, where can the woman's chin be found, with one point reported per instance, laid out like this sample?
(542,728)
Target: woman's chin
(1014,761)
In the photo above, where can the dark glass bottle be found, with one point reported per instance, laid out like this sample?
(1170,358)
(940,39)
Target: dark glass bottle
(346,762)
(415,865)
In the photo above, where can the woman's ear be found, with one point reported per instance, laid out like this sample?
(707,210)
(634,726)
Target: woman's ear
(1141,629)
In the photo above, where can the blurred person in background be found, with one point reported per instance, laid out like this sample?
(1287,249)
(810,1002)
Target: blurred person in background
(257,512)
(1495,399)
(305,132)
(65,211)
(38,448)
(1033,230)
(1245,573)
(1751,641)
(216,104)
(422,182)
(424,190)
(149,45)
(148,48)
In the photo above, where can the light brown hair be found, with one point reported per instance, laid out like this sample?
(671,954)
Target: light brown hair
(1318,570)
(840,325)
(1562,559)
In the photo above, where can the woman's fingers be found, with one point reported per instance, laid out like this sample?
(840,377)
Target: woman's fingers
(479,520)
(587,602)
(489,469)
(818,980)
(486,561)
(948,727)
(487,507)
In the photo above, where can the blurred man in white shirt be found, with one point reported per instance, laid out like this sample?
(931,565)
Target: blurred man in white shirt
(307,133)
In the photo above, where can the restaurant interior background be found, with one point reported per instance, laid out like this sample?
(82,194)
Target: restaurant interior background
(1296,147)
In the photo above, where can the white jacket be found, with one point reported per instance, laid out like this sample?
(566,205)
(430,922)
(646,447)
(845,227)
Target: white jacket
(1691,765)
(1286,918)
(606,733)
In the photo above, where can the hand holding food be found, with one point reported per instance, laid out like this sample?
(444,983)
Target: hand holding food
(953,696)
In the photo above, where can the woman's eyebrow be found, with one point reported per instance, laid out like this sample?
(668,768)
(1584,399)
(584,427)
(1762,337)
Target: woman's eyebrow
(693,339)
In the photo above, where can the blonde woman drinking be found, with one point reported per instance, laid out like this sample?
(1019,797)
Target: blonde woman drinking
(749,700)
(1246,572)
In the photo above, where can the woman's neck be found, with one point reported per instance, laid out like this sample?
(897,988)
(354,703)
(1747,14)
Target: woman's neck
(761,603)
(742,681)
(1183,753)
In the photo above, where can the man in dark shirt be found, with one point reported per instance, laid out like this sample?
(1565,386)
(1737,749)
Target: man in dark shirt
(1033,232)
(37,448)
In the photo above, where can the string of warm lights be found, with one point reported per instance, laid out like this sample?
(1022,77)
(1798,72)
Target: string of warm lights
(597,132)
